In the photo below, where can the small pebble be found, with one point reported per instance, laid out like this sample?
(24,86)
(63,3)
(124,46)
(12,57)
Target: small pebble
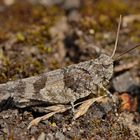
(49,136)
(42,136)
(123,82)
(59,136)
(33,130)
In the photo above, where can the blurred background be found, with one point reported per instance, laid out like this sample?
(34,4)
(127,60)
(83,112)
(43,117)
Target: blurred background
(42,35)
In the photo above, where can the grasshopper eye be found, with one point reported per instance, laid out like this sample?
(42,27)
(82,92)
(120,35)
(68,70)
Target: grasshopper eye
(105,65)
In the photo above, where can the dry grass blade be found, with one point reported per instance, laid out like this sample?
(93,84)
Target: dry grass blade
(126,66)
(57,107)
(54,109)
(37,120)
(82,109)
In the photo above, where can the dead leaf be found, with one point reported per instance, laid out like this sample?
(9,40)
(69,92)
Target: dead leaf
(39,119)
(82,109)
(57,107)
(54,109)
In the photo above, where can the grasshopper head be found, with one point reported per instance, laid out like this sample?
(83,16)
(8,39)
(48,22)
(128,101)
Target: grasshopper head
(106,63)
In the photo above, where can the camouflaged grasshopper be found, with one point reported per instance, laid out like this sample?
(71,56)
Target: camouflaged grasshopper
(62,86)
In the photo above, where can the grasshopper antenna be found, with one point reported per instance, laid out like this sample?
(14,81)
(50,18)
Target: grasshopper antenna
(137,45)
(117,37)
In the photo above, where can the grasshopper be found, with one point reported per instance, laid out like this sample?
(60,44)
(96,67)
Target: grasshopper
(61,87)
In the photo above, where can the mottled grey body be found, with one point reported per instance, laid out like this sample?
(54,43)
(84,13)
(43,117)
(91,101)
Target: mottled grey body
(63,86)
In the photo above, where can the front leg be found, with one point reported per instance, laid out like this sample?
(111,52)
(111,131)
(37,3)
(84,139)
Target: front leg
(112,97)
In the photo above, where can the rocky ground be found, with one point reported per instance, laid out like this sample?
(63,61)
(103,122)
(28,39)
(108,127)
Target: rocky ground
(39,35)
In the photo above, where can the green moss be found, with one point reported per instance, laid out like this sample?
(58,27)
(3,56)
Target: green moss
(20,36)
(33,26)
(115,7)
(135,39)
(49,49)
(44,49)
